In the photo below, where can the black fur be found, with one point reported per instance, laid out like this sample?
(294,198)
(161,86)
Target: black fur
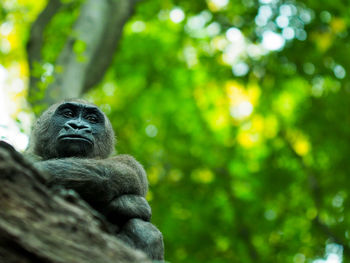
(72,141)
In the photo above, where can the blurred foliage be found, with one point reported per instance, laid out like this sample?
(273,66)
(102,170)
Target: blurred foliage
(245,144)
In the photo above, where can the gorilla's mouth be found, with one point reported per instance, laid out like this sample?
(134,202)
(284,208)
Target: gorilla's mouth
(75,137)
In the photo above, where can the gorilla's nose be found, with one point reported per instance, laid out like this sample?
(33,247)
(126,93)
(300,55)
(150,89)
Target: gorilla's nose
(77,125)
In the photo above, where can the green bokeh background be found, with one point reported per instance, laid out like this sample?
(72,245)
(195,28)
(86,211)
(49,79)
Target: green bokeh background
(270,185)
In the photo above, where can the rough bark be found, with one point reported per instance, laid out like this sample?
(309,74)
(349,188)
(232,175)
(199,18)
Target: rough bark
(99,26)
(39,225)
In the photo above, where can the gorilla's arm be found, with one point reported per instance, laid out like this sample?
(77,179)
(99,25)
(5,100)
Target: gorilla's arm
(98,182)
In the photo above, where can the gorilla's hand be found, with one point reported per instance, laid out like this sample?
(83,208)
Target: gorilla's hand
(132,214)
(145,236)
(126,207)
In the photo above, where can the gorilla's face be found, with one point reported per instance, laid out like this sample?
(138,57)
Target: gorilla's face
(77,127)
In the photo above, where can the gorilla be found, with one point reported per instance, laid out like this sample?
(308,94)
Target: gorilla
(72,141)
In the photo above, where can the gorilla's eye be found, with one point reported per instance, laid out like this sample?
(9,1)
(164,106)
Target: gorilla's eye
(92,118)
(68,114)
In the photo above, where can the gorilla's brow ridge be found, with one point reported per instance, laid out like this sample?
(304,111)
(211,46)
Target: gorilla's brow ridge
(75,106)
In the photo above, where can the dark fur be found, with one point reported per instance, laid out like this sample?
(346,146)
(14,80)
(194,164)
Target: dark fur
(115,186)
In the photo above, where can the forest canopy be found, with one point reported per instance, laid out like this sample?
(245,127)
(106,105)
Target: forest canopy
(238,110)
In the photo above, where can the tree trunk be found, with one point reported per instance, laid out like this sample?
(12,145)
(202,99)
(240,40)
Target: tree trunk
(97,30)
(38,224)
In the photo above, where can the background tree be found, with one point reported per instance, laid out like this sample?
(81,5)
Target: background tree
(239,111)
(83,46)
